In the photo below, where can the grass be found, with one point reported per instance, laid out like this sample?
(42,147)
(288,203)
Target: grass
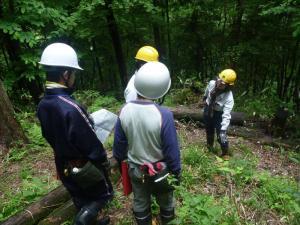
(212,191)
(23,181)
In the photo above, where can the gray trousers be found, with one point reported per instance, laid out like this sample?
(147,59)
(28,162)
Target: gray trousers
(143,191)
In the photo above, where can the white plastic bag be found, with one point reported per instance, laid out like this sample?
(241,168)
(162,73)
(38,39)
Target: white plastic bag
(104,122)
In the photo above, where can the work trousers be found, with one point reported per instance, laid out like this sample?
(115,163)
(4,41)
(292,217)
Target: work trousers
(212,125)
(142,192)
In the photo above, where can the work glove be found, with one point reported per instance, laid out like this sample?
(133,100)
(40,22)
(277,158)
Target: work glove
(223,137)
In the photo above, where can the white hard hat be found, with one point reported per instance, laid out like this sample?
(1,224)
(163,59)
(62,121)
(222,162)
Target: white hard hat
(152,80)
(60,54)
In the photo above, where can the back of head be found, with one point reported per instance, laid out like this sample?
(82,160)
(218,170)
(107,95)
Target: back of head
(147,54)
(152,81)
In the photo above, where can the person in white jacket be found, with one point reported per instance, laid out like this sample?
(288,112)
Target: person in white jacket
(219,102)
(144,54)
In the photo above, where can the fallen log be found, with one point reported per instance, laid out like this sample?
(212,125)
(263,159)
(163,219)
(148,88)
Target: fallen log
(196,114)
(40,209)
(64,213)
(259,137)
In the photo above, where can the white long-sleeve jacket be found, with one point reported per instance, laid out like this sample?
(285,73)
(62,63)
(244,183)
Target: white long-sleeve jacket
(224,102)
(130,93)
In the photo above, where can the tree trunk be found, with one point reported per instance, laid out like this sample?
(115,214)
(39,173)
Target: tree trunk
(97,65)
(115,36)
(199,51)
(236,27)
(296,94)
(10,129)
(157,35)
(60,215)
(237,118)
(169,36)
(286,93)
(40,209)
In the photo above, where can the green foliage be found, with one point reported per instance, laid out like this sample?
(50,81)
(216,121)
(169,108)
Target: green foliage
(194,156)
(259,105)
(67,223)
(27,25)
(109,142)
(294,157)
(94,101)
(32,129)
(183,96)
(292,127)
(16,153)
(31,189)
(115,203)
(279,194)
(197,40)
(240,170)
(285,8)
(33,132)
(201,209)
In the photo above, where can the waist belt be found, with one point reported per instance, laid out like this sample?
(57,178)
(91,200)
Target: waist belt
(151,169)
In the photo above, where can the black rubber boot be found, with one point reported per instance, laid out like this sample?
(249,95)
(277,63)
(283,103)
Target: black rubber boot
(210,142)
(224,148)
(166,216)
(143,218)
(88,214)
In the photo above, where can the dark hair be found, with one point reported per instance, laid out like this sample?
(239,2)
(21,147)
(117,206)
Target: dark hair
(228,88)
(54,73)
(139,64)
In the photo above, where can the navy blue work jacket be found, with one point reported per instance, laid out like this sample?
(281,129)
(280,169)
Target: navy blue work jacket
(67,128)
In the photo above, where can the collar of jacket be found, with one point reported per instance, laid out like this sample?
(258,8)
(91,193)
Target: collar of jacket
(50,85)
(58,91)
(143,102)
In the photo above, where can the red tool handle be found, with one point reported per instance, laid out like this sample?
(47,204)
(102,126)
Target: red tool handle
(127,188)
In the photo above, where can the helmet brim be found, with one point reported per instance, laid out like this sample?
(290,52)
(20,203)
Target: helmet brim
(74,67)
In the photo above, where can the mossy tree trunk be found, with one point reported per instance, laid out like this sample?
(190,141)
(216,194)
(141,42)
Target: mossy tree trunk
(10,129)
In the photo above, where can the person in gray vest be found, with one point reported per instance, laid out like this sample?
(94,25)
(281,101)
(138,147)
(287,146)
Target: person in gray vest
(145,135)
(218,99)
(144,54)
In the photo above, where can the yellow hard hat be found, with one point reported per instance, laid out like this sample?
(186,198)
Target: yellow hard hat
(228,76)
(147,54)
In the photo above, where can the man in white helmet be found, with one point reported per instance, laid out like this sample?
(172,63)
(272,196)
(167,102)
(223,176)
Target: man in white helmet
(145,134)
(79,156)
(144,54)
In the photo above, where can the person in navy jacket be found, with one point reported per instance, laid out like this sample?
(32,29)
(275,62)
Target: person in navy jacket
(145,134)
(69,131)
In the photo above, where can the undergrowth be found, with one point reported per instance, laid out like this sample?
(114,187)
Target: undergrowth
(212,191)
(94,101)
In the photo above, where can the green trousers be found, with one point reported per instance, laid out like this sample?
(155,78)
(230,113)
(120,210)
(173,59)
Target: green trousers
(143,191)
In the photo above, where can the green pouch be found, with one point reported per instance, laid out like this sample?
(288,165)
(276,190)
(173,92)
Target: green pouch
(87,176)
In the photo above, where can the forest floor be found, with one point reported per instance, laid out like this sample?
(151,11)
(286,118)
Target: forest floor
(258,185)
